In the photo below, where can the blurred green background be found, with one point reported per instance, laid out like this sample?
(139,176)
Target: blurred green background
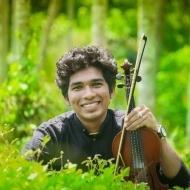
(34,34)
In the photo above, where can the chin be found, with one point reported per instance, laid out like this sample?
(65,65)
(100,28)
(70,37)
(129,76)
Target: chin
(94,116)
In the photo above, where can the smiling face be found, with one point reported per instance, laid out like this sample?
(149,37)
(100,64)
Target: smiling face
(88,94)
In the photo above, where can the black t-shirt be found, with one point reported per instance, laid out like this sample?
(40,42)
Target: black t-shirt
(70,141)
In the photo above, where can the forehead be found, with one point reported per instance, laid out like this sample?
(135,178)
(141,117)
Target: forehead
(86,74)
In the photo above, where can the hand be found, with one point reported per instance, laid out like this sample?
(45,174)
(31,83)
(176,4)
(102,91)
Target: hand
(140,117)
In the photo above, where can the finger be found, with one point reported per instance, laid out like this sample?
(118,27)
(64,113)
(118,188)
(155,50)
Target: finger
(133,116)
(144,113)
(151,121)
(137,124)
(137,115)
(137,110)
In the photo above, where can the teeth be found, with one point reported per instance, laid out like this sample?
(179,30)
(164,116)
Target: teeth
(90,104)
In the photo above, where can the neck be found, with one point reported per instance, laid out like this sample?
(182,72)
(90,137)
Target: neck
(93,126)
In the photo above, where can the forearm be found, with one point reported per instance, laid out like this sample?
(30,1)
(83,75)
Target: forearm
(169,160)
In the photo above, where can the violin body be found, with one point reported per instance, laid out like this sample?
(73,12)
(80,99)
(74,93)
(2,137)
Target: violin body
(147,159)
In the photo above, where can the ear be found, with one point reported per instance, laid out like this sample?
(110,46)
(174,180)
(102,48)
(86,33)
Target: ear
(112,94)
(67,100)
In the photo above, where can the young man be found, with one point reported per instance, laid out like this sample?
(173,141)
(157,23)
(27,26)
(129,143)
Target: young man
(86,77)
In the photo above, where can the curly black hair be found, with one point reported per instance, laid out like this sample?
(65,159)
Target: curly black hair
(80,58)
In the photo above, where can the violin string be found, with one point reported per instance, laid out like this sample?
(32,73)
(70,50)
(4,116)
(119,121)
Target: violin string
(141,153)
(139,169)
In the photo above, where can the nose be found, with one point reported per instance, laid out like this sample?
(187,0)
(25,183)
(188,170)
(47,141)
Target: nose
(89,93)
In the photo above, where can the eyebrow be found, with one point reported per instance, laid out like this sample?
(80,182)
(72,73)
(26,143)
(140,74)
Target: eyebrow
(93,80)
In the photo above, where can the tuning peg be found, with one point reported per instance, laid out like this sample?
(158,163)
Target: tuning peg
(139,78)
(119,76)
(121,85)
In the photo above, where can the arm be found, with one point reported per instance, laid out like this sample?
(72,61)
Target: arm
(173,170)
(170,161)
(34,149)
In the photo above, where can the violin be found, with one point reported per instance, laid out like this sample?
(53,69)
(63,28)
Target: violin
(138,149)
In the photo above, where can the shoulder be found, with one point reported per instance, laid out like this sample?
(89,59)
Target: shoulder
(119,113)
(55,124)
(119,116)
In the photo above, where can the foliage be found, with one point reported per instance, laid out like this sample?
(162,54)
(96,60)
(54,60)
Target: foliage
(18,173)
(121,33)
(172,106)
(19,101)
(23,101)
(29,95)
(24,95)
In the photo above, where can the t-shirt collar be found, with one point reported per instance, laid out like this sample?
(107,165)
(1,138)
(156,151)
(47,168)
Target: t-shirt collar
(84,130)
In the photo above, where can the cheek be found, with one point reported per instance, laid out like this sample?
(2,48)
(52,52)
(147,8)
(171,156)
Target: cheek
(107,96)
(73,97)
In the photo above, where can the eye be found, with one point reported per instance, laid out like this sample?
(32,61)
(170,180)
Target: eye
(97,84)
(77,88)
